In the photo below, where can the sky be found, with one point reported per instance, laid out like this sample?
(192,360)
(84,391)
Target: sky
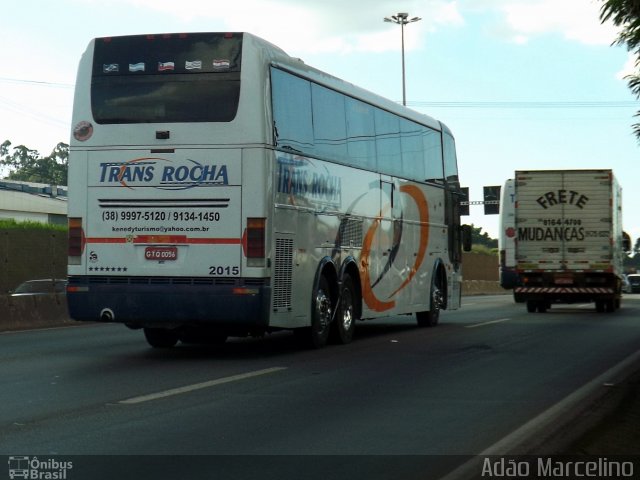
(523,84)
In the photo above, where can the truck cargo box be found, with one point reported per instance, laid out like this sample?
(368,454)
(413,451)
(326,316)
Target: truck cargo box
(570,244)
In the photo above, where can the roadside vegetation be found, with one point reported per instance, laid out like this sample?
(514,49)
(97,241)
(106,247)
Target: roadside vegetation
(11,224)
(482,242)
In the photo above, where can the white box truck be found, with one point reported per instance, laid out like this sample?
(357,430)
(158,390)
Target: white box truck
(570,245)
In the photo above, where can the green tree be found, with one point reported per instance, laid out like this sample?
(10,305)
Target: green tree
(626,14)
(479,238)
(28,165)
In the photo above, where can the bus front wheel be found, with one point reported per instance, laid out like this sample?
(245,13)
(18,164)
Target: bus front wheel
(432,317)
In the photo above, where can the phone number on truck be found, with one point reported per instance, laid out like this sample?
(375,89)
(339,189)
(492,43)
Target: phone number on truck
(161,215)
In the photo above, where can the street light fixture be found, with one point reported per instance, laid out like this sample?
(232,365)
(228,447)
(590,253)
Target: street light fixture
(402,19)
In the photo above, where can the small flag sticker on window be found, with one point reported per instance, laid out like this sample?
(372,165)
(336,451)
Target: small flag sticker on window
(221,64)
(194,65)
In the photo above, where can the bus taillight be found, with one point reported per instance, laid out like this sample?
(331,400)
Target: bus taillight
(76,237)
(254,244)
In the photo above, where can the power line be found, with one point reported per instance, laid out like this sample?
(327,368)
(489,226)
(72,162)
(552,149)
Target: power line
(34,114)
(527,105)
(36,82)
(441,104)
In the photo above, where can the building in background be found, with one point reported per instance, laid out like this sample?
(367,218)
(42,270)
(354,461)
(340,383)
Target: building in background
(35,202)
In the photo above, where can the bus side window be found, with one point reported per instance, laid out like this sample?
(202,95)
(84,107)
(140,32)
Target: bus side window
(450,160)
(388,143)
(329,124)
(412,150)
(434,171)
(291,98)
(361,133)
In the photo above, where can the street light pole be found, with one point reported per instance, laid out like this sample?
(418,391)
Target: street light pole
(402,19)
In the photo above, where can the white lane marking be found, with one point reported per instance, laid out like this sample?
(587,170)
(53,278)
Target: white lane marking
(516,442)
(475,325)
(199,386)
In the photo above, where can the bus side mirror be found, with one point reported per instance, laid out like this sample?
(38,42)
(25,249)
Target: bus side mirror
(466,237)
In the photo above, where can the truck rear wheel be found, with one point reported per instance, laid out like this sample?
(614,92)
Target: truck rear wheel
(543,307)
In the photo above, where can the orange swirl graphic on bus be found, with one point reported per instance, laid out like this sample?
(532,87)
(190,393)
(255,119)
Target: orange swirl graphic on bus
(370,298)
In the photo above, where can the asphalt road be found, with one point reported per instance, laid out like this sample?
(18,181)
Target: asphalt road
(392,403)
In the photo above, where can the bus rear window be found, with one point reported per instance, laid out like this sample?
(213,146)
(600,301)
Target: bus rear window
(166,78)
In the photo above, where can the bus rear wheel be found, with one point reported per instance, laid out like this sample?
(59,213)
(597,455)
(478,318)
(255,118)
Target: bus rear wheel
(317,334)
(345,322)
(161,337)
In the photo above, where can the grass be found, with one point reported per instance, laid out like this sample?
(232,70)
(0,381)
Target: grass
(484,250)
(11,224)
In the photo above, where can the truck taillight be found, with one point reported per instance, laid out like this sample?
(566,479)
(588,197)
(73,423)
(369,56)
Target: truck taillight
(76,237)
(254,244)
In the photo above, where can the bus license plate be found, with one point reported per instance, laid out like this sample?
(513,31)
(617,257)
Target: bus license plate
(161,253)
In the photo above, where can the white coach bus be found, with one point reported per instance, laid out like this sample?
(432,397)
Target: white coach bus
(219,187)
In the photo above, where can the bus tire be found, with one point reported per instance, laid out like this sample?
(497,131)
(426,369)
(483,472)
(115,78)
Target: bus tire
(344,324)
(161,337)
(203,336)
(317,334)
(432,316)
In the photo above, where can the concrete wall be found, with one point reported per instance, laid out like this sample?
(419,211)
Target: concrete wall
(27,254)
(33,311)
(478,266)
(480,274)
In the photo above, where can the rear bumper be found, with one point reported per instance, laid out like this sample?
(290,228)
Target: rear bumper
(564,294)
(170,302)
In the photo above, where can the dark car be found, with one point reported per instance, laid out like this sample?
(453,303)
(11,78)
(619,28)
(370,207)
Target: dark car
(45,286)
(634,282)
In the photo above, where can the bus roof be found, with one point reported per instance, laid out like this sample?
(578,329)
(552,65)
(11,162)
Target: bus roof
(297,66)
